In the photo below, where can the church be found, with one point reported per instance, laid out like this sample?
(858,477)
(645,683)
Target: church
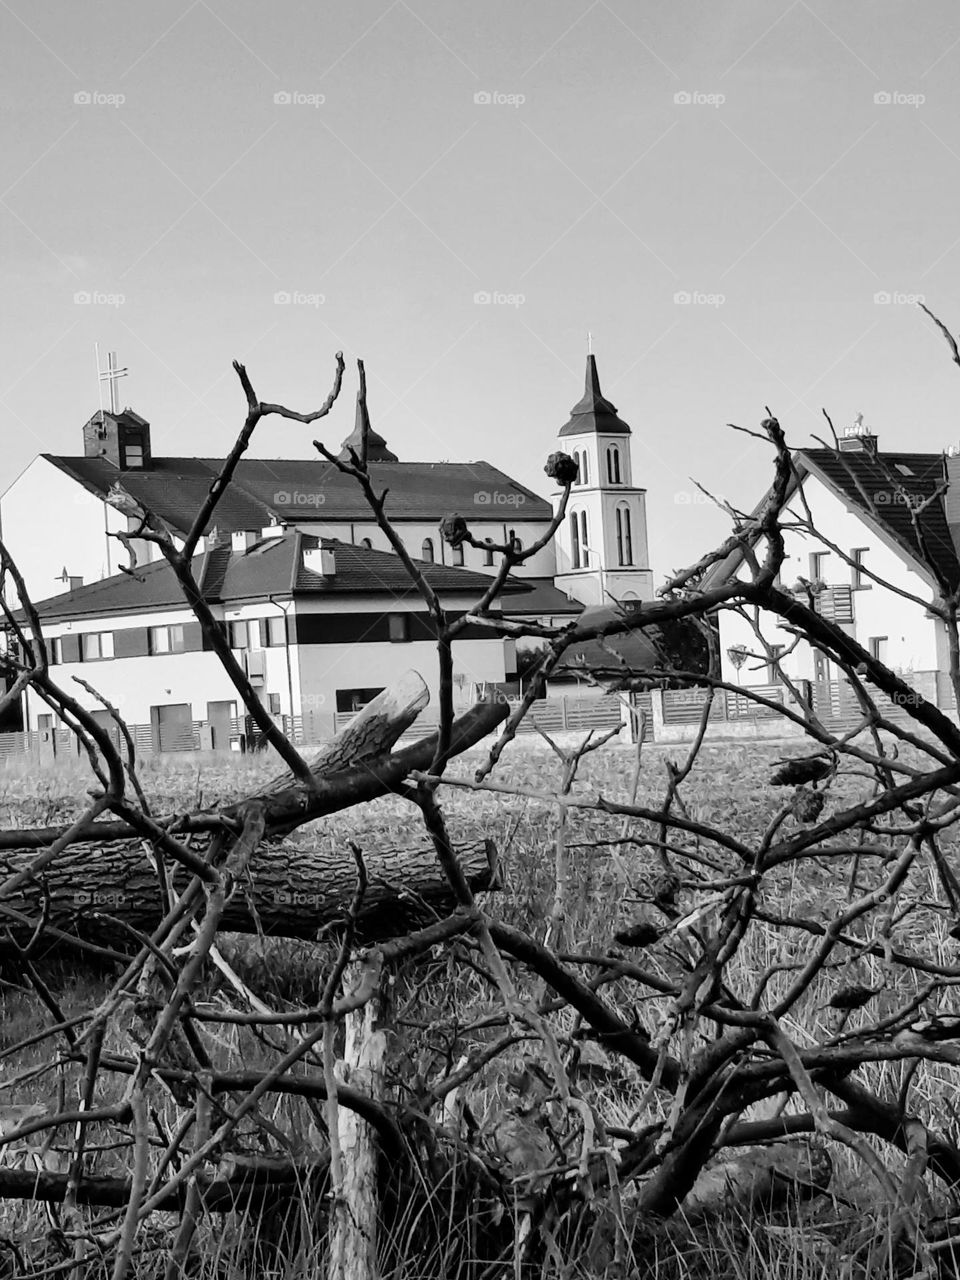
(297,568)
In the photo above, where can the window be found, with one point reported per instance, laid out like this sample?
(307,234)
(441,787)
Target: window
(818,560)
(624,536)
(583,475)
(398,628)
(773,672)
(456,555)
(166,639)
(275,632)
(426,551)
(95,645)
(878,647)
(858,581)
(273,703)
(514,541)
(488,553)
(54,652)
(574,541)
(133,455)
(584,552)
(613,464)
(239,633)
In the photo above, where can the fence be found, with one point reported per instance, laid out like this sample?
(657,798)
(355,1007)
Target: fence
(553,715)
(685,706)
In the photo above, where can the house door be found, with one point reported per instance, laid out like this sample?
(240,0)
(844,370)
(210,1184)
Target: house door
(172,726)
(219,717)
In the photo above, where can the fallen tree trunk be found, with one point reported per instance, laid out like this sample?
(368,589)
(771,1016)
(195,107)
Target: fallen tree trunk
(105,891)
(295,891)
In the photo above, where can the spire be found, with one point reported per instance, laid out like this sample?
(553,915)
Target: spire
(377,450)
(593,413)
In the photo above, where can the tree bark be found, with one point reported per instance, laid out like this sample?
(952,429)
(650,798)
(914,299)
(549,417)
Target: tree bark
(295,890)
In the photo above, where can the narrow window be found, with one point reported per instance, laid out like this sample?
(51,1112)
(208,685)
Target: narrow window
(818,560)
(426,550)
(858,580)
(584,468)
(574,541)
(239,636)
(624,537)
(456,555)
(613,464)
(584,541)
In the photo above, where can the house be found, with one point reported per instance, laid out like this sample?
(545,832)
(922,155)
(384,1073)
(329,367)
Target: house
(881,522)
(320,626)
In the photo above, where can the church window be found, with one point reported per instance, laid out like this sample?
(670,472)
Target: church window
(584,468)
(624,536)
(613,464)
(574,541)
(584,540)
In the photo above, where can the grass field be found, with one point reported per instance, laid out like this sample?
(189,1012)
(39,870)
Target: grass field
(729,790)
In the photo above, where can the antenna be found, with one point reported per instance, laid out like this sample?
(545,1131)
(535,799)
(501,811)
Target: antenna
(111,374)
(589,343)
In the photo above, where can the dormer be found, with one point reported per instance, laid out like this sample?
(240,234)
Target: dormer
(122,438)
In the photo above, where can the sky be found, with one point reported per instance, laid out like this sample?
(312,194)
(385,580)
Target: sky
(741,200)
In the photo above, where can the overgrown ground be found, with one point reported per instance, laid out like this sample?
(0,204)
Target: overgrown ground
(730,789)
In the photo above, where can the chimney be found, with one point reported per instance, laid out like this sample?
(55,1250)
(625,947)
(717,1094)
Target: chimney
(320,560)
(858,438)
(244,539)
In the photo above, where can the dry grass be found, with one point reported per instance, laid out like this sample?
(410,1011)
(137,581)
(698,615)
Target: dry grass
(729,790)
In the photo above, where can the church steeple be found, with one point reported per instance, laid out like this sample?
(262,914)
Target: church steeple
(377,450)
(593,413)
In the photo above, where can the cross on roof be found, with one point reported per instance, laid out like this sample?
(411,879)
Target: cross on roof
(112,374)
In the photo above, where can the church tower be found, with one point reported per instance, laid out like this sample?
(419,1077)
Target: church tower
(602,544)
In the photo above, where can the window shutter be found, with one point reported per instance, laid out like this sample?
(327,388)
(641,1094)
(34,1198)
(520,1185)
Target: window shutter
(70,648)
(264,636)
(130,643)
(192,637)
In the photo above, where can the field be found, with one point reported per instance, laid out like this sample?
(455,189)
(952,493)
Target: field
(602,895)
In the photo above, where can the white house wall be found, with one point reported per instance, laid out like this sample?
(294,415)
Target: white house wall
(912,639)
(50,522)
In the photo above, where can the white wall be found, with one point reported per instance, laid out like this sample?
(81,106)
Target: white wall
(912,639)
(50,522)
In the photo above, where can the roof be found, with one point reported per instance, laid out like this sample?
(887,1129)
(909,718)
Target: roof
(272,566)
(884,489)
(544,598)
(679,644)
(377,450)
(593,413)
(311,490)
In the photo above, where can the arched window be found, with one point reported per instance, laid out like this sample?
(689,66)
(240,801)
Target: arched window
(584,541)
(574,541)
(488,553)
(457,555)
(365,542)
(584,468)
(624,536)
(426,550)
(613,464)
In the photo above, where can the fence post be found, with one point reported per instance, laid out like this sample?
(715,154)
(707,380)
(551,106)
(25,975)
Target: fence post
(563,709)
(656,714)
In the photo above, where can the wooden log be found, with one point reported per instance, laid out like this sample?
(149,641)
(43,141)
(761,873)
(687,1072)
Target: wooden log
(768,1177)
(297,890)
